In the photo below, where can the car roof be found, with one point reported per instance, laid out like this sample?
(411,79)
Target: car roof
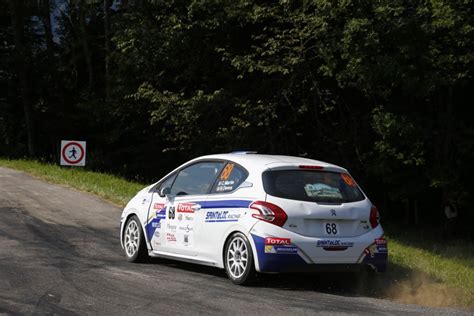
(262,162)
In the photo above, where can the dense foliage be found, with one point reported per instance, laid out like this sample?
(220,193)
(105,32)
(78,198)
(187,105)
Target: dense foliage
(381,87)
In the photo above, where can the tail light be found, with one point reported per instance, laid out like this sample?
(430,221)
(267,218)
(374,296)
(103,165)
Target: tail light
(269,212)
(374,217)
(311,167)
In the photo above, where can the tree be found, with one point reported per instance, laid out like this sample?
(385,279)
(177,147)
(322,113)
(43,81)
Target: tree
(81,8)
(107,48)
(17,18)
(383,88)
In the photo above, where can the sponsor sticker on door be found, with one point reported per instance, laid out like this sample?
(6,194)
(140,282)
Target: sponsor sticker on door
(185,208)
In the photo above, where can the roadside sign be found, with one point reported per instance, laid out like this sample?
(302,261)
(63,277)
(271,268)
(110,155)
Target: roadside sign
(73,153)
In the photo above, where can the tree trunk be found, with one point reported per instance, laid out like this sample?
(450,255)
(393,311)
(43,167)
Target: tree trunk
(446,155)
(22,69)
(107,47)
(46,17)
(85,44)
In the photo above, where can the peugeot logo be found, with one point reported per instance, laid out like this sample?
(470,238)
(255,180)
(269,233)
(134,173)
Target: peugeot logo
(333,212)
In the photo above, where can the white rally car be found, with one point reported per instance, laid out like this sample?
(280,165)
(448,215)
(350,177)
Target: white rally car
(251,213)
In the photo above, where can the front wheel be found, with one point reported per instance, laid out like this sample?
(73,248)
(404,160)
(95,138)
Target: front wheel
(238,260)
(134,241)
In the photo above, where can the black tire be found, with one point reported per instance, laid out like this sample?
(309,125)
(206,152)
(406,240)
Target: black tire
(134,243)
(238,260)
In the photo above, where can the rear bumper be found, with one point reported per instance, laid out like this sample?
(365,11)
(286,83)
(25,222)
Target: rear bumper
(321,268)
(306,254)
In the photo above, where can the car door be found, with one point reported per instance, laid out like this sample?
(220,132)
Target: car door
(187,194)
(156,219)
(223,209)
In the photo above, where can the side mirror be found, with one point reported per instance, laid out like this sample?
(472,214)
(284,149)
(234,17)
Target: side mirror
(164,191)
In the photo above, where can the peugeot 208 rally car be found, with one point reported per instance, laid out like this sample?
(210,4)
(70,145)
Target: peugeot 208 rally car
(251,213)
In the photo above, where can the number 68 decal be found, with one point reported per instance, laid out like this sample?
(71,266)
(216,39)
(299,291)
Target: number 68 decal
(331,228)
(171,212)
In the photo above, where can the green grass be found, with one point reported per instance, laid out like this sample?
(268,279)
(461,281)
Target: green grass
(442,263)
(421,270)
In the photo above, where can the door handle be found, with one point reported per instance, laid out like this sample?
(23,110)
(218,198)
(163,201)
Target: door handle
(196,207)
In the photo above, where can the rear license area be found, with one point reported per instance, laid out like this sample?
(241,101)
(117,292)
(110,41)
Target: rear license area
(331,228)
(332,250)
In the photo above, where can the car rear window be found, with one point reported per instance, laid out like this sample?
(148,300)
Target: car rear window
(314,186)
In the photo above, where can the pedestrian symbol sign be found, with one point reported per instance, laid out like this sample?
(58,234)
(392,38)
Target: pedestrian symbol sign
(73,153)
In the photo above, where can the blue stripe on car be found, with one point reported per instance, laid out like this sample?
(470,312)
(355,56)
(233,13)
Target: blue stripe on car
(275,262)
(150,230)
(152,225)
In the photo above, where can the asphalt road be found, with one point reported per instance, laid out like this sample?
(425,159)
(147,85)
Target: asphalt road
(60,254)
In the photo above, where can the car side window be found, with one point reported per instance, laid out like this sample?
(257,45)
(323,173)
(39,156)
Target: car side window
(197,178)
(167,182)
(230,178)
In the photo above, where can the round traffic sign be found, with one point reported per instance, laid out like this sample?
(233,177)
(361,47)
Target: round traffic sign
(73,159)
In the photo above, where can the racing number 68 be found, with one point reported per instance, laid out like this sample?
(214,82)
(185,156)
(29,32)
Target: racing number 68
(172,212)
(331,228)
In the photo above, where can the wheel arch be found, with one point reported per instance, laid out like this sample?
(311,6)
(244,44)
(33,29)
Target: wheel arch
(252,246)
(127,216)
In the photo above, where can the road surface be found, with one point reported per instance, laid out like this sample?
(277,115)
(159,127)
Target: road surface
(60,254)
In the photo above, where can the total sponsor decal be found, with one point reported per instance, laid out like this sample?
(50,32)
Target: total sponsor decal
(380,246)
(158,206)
(221,216)
(170,237)
(279,245)
(334,244)
(277,241)
(185,208)
(376,255)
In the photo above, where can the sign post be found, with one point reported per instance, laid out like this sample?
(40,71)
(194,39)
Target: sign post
(73,153)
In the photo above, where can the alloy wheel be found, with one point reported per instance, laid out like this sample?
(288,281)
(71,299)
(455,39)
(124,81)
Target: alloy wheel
(132,238)
(237,257)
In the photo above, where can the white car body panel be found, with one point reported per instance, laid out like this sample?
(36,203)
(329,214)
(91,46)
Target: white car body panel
(194,228)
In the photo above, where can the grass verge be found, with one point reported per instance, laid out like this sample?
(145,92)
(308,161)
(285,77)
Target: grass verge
(421,271)
(435,272)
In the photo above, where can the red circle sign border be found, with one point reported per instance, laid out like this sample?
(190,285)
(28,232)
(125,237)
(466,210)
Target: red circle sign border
(72,161)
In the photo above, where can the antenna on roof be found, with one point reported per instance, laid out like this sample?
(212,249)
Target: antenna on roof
(243,152)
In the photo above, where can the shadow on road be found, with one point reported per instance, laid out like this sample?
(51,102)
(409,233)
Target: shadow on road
(397,284)
(363,283)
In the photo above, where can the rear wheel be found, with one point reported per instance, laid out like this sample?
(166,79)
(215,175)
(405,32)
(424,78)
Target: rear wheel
(238,260)
(134,241)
